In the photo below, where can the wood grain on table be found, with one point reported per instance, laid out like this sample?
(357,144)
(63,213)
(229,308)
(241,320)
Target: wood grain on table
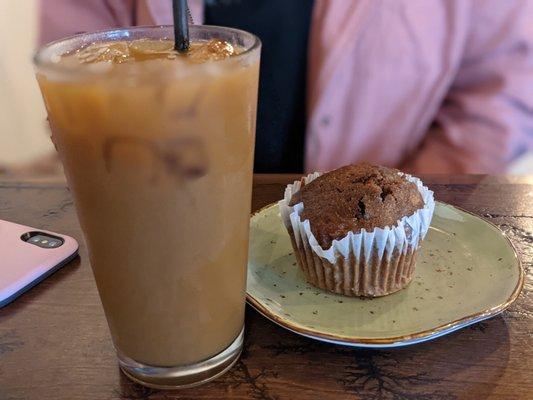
(54,341)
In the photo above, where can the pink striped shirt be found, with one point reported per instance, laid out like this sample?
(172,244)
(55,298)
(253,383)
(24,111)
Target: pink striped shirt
(429,86)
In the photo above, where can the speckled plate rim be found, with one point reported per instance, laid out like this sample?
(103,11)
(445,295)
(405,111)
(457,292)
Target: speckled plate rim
(403,340)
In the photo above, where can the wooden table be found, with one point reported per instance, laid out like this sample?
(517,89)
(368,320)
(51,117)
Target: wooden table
(54,342)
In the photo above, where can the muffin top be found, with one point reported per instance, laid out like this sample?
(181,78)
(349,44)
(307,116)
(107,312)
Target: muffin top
(356,197)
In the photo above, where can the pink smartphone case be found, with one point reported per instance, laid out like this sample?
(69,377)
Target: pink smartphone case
(23,265)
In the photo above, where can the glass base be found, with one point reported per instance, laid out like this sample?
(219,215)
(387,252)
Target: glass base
(183,376)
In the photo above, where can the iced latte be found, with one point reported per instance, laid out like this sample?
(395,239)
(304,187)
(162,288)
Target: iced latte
(158,151)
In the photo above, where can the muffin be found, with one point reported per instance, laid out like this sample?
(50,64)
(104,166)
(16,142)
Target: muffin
(356,230)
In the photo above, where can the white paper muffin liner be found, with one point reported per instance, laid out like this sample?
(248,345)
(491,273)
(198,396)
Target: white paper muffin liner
(362,263)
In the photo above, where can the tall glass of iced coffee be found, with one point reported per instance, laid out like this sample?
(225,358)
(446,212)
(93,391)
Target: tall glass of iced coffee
(157,148)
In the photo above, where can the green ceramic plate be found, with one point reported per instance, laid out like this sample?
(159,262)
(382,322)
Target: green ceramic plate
(467,271)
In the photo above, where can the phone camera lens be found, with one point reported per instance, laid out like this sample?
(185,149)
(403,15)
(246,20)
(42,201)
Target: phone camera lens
(42,240)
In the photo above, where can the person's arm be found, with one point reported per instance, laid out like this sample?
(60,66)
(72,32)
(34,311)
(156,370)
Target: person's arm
(486,119)
(61,18)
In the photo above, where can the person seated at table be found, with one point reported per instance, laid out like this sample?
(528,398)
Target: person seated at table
(443,86)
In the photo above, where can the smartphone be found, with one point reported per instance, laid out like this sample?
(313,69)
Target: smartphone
(29,255)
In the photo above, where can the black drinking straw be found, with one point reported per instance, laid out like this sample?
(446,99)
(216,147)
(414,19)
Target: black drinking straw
(181,26)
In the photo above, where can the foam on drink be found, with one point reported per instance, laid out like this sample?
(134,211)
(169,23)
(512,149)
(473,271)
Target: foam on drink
(147,49)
